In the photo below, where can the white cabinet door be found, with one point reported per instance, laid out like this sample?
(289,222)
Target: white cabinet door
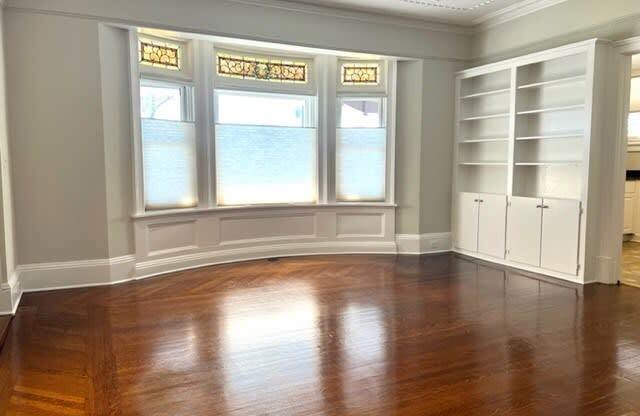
(524,227)
(560,235)
(492,224)
(466,236)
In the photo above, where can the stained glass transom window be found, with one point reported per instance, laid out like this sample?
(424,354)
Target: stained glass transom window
(263,69)
(160,54)
(360,74)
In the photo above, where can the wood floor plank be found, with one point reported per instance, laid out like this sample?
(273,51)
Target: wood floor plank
(327,335)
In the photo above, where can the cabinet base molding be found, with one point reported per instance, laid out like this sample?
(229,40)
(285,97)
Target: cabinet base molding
(524,267)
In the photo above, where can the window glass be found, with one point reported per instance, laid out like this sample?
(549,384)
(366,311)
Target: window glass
(634,126)
(266,148)
(361,112)
(161,102)
(262,109)
(361,150)
(168,146)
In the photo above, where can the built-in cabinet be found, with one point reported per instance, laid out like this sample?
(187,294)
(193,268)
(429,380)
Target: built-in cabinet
(481,223)
(523,158)
(544,232)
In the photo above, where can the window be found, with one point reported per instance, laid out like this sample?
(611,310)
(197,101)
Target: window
(360,74)
(159,54)
(262,69)
(257,128)
(634,115)
(361,149)
(265,148)
(168,145)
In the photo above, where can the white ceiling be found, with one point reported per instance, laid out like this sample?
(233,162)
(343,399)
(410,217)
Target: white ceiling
(464,12)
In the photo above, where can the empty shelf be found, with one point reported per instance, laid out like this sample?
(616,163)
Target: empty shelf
(487,140)
(558,81)
(488,116)
(550,163)
(489,163)
(485,93)
(552,136)
(548,109)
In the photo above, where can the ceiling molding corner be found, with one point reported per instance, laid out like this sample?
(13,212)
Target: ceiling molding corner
(512,12)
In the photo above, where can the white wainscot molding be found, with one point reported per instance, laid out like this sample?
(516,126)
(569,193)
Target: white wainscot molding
(170,242)
(423,243)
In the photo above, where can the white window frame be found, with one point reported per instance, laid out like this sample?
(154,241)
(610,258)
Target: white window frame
(200,71)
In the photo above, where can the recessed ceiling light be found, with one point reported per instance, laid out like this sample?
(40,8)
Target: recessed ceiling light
(441,5)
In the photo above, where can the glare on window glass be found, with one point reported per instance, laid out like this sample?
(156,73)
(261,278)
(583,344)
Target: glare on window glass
(262,110)
(634,125)
(363,113)
(160,102)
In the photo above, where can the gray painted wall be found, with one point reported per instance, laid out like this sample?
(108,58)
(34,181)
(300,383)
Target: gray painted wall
(56,137)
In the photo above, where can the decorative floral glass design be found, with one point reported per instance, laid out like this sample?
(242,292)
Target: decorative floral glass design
(159,54)
(360,74)
(263,69)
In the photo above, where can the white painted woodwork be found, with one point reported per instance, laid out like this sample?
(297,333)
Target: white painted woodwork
(492,220)
(525,224)
(170,241)
(560,235)
(526,131)
(466,217)
(630,201)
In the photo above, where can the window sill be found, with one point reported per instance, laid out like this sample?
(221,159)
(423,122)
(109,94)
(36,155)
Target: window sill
(191,211)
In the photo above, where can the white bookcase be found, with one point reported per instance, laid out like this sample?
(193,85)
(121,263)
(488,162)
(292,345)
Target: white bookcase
(523,158)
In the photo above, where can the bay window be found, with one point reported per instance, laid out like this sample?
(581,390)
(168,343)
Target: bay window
(264,125)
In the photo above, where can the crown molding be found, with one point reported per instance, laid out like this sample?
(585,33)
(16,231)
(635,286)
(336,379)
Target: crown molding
(512,12)
(360,15)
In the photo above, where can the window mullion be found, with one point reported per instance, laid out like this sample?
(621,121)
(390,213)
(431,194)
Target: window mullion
(202,75)
(330,123)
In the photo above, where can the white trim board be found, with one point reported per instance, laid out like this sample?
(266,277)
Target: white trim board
(423,243)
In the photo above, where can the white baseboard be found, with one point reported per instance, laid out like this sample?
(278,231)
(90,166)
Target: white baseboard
(423,243)
(155,267)
(70,274)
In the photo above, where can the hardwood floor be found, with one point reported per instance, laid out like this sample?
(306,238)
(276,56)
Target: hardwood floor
(4,329)
(333,335)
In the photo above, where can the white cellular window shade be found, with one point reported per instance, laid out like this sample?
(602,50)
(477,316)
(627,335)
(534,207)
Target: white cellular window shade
(361,139)
(168,145)
(266,148)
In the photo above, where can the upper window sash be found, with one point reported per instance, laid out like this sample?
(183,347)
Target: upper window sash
(249,83)
(182,69)
(357,77)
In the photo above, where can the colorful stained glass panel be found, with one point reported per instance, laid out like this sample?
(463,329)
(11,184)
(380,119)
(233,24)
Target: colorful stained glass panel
(262,69)
(160,54)
(360,74)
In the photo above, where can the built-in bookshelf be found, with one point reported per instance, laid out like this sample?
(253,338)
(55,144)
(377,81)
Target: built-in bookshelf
(522,159)
(484,111)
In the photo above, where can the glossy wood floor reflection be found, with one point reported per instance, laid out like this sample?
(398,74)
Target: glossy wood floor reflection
(334,335)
